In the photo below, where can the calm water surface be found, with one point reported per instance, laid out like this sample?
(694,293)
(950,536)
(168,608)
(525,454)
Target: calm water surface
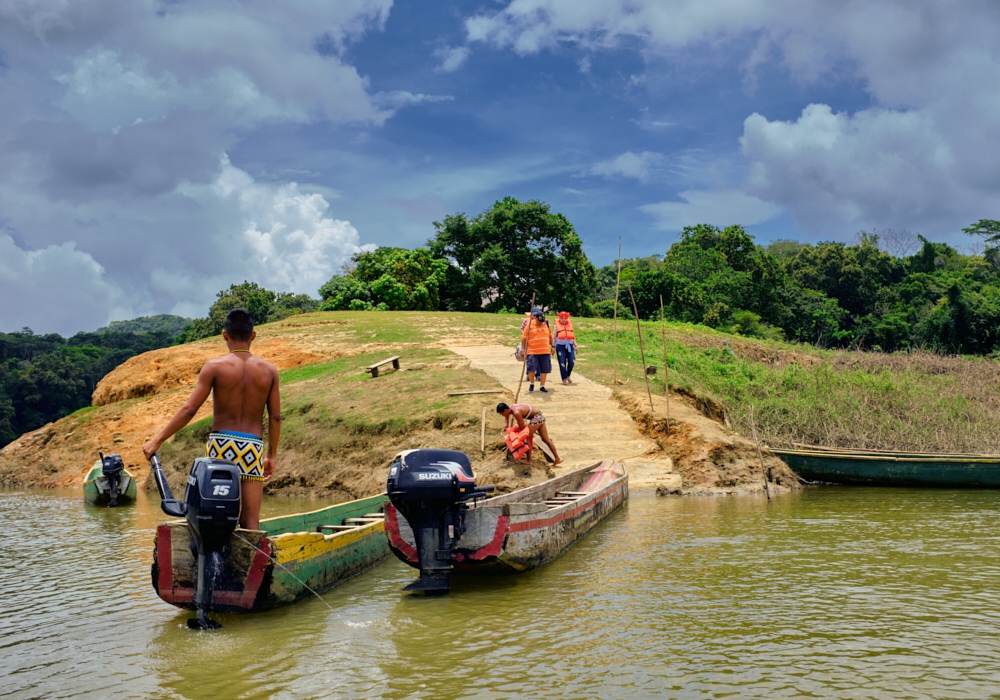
(832,593)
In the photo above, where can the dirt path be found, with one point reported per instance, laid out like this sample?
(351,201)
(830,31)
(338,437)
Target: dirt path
(584,421)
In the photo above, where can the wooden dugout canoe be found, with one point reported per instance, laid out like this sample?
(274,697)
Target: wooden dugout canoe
(526,528)
(95,486)
(321,548)
(876,468)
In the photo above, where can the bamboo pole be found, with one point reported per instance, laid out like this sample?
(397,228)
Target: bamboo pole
(614,347)
(645,376)
(482,432)
(666,370)
(753,430)
(524,362)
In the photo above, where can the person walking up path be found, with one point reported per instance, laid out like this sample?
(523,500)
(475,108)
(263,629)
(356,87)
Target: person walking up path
(241,386)
(536,339)
(565,346)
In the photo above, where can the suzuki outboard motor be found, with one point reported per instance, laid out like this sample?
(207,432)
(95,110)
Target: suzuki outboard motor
(429,488)
(212,509)
(112,468)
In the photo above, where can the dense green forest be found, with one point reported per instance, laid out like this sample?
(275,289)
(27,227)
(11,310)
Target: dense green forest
(888,291)
(45,377)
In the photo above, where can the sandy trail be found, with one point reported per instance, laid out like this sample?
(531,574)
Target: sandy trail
(583,419)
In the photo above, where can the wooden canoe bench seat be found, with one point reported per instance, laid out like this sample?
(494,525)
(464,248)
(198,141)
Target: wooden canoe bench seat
(373,369)
(335,528)
(576,494)
(361,521)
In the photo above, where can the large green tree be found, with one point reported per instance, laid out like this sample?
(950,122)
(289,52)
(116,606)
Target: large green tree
(394,279)
(502,256)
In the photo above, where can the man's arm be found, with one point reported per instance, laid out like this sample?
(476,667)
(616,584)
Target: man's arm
(273,426)
(188,411)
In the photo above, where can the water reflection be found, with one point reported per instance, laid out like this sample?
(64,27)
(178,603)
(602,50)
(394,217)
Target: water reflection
(832,592)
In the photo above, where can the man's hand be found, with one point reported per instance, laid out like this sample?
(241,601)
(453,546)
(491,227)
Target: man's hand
(151,447)
(268,467)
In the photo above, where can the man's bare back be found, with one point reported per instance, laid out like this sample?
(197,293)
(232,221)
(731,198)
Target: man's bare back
(242,386)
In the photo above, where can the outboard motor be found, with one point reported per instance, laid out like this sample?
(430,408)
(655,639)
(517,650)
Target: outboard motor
(212,509)
(112,468)
(429,488)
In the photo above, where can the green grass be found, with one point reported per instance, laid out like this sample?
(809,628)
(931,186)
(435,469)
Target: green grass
(799,393)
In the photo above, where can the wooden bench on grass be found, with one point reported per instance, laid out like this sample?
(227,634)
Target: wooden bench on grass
(373,369)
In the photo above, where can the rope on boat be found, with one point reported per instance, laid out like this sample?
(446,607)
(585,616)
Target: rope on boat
(278,563)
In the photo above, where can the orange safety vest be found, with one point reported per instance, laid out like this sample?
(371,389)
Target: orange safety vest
(564,331)
(537,337)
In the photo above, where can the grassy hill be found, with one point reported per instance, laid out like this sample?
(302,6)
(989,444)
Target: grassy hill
(341,427)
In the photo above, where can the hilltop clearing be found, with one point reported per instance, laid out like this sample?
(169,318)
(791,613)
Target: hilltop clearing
(341,427)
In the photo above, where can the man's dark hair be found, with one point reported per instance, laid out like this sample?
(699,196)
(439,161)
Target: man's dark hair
(239,325)
(501,407)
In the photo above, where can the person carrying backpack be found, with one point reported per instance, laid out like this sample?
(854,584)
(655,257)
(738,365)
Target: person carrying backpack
(536,339)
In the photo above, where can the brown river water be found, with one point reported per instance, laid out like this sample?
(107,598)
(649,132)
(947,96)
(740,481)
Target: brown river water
(829,593)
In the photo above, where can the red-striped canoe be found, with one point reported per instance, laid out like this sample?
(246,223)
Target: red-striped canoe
(526,528)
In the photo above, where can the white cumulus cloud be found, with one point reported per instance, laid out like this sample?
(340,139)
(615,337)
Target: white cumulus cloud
(451,58)
(54,289)
(716,207)
(277,235)
(640,166)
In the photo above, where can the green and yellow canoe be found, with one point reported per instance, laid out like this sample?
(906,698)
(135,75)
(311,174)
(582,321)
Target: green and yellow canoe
(273,566)
(878,468)
(95,486)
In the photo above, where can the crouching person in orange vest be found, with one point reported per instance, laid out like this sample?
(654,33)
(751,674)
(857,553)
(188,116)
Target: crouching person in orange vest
(525,414)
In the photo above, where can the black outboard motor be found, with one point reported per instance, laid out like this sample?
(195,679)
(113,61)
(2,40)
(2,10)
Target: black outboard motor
(429,488)
(212,509)
(112,468)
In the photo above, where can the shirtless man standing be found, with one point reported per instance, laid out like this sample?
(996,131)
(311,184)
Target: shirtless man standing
(535,419)
(241,386)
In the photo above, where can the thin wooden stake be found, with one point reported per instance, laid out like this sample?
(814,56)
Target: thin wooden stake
(666,370)
(482,432)
(753,429)
(635,310)
(614,347)
(524,362)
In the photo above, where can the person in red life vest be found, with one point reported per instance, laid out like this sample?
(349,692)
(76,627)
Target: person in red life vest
(536,339)
(565,346)
(526,414)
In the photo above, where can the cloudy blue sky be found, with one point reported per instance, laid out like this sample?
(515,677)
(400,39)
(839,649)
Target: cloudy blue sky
(153,152)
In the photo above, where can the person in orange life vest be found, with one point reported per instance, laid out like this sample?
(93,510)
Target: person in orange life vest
(536,339)
(565,346)
(526,414)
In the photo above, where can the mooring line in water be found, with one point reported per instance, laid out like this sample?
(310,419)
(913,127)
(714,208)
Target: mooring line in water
(304,584)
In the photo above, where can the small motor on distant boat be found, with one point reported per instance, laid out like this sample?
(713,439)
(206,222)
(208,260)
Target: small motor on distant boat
(109,482)
(429,488)
(212,509)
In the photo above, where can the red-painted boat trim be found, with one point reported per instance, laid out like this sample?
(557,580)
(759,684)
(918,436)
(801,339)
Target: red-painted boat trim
(165,582)
(395,539)
(256,574)
(526,525)
(491,548)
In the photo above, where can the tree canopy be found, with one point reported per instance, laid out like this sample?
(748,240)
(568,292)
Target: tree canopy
(390,279)
(500,257)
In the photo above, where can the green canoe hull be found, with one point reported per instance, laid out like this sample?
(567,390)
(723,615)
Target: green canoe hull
(893,468)
(273,566)
(95,487)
